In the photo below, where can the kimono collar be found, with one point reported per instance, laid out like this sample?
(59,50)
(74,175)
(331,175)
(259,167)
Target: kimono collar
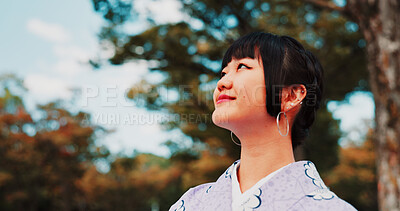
(303,173)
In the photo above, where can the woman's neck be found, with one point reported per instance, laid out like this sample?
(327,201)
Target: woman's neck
(262,156)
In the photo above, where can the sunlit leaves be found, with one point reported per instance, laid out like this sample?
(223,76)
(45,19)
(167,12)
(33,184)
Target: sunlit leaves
(42,159)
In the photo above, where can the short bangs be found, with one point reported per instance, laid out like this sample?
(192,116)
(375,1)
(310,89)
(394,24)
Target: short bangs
(252,46)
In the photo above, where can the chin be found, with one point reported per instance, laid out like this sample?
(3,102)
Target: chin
(223,119)
(220,119)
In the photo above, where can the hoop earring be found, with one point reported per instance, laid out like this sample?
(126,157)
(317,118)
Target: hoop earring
(287,123)
(234,140)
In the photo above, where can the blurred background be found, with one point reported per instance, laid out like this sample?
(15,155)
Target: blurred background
(106,104)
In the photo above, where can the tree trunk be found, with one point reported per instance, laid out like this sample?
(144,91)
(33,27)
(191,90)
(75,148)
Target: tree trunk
(379,21)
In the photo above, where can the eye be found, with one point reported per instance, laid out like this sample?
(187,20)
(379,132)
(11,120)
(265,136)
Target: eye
(222,74)
(241,65)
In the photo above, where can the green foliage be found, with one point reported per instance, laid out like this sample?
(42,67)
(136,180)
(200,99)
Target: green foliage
(189,54)
(355,178)
(136,183)
(321,147)
(113,11)
(41,160)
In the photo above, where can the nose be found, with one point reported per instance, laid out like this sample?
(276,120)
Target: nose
(224,83)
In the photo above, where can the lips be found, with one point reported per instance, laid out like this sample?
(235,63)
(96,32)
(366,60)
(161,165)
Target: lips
(224,98)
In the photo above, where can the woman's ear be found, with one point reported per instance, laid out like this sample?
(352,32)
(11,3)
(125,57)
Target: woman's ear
(292,96)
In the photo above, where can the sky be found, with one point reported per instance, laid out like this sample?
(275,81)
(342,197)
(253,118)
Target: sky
(47,43)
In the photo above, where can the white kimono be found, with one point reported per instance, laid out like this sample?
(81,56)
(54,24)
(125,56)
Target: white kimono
(296,186)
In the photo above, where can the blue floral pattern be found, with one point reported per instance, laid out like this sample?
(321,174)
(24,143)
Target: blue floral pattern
(253,202)
(228,172)
(208,188)
(323,192)
(296,187)
(181,206)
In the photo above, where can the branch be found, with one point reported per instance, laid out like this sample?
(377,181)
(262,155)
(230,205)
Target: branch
(326,5)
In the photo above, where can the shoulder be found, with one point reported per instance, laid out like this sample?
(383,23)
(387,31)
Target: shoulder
(192,197)
(326,200)
(213,192)
(317,196)
(304,188)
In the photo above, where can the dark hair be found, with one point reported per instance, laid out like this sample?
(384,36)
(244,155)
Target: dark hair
(286,63)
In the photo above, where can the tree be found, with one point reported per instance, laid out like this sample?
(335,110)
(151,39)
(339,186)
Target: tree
(379,22)
(42,159)
(189,55)
(144,181)
(354,179)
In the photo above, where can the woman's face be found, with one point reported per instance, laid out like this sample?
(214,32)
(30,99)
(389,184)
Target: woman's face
(243,81)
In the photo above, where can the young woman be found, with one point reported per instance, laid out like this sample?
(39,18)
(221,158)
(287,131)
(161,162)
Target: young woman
(268,95)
